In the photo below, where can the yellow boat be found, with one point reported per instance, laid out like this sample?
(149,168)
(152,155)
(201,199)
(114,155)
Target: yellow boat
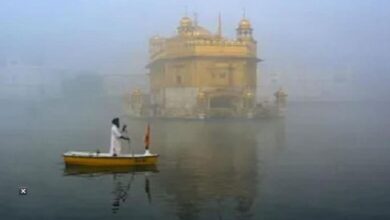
(106,160)
(97,159)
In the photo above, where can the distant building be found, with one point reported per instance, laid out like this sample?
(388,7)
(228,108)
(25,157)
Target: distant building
(198,73)
(21,81)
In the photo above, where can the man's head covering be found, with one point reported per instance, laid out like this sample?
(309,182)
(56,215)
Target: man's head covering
(115,121)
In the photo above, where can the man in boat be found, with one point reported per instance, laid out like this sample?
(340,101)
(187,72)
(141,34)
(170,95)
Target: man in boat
(116,135)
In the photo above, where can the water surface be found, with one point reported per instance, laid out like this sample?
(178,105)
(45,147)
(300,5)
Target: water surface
(323,161)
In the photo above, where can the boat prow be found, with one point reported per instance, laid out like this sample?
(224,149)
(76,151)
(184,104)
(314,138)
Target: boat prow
(78,158)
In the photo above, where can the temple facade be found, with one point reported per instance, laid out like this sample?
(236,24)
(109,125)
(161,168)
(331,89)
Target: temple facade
(197,73)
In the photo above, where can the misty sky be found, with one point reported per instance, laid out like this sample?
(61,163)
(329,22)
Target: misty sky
(297,39)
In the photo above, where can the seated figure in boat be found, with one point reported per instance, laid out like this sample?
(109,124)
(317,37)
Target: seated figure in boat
(116,135)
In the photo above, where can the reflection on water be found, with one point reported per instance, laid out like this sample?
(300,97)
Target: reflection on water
(122,179)
(214,168)
(324,161)
(210,169)
(120,191)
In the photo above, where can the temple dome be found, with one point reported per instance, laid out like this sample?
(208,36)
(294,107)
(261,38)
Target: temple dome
(244,24)
(185,22)
(155,38)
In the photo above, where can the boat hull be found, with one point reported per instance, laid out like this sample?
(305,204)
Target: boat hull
(105,160)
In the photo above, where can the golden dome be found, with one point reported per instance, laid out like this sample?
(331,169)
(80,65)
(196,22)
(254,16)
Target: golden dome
(185,22)
(280,93)
(156,38)
(244,24)
(136,92)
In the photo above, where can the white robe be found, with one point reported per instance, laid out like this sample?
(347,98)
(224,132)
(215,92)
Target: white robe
(115,145)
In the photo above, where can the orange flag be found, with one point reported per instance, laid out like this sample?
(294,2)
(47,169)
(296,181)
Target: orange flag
(147,137)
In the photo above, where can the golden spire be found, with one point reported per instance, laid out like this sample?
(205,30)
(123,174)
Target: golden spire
(195,19)
(244,23)
(219,25)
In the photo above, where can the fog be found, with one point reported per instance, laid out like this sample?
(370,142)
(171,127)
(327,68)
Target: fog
(67,69)
(316,50)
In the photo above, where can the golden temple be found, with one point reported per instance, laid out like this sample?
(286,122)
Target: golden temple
(200,74)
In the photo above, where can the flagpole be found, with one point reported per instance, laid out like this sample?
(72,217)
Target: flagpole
(147,139)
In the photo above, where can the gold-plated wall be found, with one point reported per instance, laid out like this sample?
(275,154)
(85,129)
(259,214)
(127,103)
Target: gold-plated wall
(196,63)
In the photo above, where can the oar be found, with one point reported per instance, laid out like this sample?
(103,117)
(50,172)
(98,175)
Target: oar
(130,148)
(124,129)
